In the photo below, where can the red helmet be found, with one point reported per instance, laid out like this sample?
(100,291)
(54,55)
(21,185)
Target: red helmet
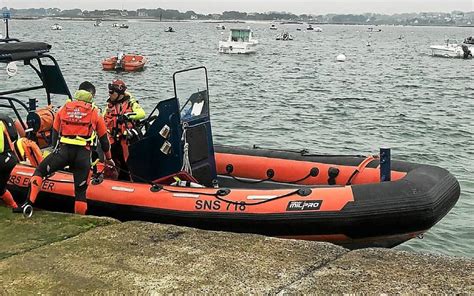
(117,86)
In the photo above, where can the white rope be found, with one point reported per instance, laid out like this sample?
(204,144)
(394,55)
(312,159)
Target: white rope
(186,164)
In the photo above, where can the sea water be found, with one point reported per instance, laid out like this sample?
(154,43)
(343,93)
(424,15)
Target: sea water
(295,95)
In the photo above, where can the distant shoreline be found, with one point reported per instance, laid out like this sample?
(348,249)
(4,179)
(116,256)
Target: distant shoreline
(282,22)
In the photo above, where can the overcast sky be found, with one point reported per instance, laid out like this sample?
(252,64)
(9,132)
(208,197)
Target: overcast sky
(294,6)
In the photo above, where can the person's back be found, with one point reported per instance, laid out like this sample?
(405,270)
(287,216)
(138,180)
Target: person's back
(75,128)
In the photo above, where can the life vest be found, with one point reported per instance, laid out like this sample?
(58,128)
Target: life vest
(77,126)
(115,109)
(8,134)
(27,149)
(3,138)
(41,121)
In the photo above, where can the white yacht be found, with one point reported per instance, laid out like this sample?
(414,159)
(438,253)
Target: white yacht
(239,41)
(56,27)
(452,49)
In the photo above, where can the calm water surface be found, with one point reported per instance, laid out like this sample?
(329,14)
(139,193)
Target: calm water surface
(294,95)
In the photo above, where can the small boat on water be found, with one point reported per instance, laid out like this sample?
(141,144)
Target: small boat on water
(115,25)
(219,27)
(181,177)
(56,27)
(311,28)
(124,62)
(123,26)
(273,27)
(373,30)
(98,23)
(469,40)
(239,41)
(284,37)
(170,30)
(453,49)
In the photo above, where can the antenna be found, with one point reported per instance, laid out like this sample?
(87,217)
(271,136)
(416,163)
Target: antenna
(6,17)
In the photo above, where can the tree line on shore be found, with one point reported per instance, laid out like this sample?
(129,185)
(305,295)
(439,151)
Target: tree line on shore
(425,18)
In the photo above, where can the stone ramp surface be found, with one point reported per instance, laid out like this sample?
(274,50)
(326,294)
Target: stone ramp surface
(383,271)
(140,257)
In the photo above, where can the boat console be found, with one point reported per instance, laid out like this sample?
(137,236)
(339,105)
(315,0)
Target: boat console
(180,136)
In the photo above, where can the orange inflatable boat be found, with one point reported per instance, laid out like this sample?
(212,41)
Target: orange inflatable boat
(180,176)
(275,193)
(124,62)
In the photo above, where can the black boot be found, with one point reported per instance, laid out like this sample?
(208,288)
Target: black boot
(20,209)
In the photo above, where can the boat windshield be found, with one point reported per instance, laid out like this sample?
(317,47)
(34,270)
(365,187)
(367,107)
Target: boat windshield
(192,92)
(240,35)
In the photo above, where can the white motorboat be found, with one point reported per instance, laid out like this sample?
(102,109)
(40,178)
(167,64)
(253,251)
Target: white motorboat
(452,49)
(239,41)
(56,27)
(273,27)
(98,23)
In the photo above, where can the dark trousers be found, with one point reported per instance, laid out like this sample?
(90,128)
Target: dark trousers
(117,155)
(7,163)
(78,158)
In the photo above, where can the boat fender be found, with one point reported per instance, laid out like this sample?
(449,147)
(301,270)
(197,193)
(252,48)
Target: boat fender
(332,173)
(304,191)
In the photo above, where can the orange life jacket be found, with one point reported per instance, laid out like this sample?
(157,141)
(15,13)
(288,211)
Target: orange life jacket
(77,120)
(114,110)
(27,149)
(43,134)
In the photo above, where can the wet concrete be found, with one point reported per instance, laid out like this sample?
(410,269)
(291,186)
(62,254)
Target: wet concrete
(103,255)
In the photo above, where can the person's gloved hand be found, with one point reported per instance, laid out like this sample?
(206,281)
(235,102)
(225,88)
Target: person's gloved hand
(110,163)
(122,118)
